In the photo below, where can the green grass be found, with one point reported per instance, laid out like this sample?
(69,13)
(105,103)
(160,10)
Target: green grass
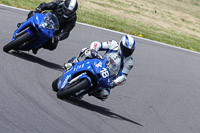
(137,28)
(27,4)
(127,25)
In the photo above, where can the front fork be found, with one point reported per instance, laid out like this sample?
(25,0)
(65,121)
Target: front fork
(80,94)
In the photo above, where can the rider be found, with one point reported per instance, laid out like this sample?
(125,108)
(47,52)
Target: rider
(65,11)
(120,56)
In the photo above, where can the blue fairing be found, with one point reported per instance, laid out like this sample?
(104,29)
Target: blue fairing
(94,70)
(37,29)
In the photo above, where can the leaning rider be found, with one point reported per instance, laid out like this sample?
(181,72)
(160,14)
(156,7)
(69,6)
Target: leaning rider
(120,55)
(65,11)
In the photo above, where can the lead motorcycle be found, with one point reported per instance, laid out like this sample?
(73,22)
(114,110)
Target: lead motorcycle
(84,77)
(34,32)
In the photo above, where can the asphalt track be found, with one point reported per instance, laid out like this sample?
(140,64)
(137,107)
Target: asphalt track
(162,93)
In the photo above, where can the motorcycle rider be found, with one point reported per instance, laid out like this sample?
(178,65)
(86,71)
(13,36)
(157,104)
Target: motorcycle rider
(65,11)
(119,55)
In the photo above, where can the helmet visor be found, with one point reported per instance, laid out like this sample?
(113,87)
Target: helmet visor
(126,51)
(66,11)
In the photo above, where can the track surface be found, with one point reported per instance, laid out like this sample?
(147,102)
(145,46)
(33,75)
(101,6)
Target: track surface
(162,93)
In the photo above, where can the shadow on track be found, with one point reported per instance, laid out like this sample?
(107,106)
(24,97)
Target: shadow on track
(38,60)
(98,109)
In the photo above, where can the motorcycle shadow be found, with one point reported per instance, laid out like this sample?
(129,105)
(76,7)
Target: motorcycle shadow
(38,60)
(98,109)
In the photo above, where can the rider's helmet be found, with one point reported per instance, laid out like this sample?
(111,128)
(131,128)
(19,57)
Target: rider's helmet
(69,8)
(127,45)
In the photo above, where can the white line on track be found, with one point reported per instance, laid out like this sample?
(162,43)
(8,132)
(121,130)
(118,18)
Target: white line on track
(114,31)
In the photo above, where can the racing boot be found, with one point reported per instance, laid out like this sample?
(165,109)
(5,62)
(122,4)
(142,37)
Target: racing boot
(103,94)
(35,51)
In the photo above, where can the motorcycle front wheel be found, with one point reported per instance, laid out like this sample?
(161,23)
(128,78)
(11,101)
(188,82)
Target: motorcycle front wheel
(55,85)
(72,88)
(17,42)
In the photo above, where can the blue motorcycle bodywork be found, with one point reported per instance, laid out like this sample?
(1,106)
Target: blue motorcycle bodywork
(94,70)
(40,34)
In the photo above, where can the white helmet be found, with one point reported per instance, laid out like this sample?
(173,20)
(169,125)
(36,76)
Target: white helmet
(69,8)
(127,45)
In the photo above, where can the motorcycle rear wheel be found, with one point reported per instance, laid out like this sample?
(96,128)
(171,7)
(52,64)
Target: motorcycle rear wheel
(17,42)
(72,89)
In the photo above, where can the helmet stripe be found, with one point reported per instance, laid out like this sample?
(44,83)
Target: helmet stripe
(72,4)
(127,41)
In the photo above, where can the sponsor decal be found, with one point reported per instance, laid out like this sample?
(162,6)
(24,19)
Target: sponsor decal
(65,81)
(78,67)
(95,46)
(99,64)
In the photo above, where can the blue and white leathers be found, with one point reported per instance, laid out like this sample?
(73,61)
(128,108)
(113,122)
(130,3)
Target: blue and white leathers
(40,27)
(121,65)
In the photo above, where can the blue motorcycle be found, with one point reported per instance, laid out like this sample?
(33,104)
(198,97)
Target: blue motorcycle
(34,32)
(84,77)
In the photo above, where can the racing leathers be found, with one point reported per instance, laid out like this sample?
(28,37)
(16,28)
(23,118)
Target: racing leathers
(119,64)
(66,24)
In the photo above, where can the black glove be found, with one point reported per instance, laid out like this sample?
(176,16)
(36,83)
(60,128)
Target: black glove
(95,54)
(56,38)
(112,84)
(30,14)
(38,10)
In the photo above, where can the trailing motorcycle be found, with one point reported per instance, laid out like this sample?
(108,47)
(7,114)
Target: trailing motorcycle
(34,32)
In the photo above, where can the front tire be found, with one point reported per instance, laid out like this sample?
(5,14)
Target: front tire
(55,85)
(17,42)
(72,89)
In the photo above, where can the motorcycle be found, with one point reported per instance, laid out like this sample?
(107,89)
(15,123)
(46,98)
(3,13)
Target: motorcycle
(34,32)
(84,77)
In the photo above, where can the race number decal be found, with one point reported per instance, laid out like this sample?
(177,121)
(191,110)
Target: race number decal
(104,73)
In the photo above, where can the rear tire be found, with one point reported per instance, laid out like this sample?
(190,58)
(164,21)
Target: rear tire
(55,85)
(72,89)
(17,42)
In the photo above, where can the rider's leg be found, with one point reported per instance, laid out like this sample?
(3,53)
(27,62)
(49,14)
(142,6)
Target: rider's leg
(103,94)
(50,46)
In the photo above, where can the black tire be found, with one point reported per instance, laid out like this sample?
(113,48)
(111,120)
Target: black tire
(17,42)
(72,89)
(54,85)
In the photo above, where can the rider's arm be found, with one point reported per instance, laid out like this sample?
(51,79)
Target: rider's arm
(121,79)
(48,6)
(100,46)
(64,33)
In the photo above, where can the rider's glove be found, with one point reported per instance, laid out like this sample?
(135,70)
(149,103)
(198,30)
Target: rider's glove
(38,10)
(95,54)
(56,38)
(112,84)
(67,66)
